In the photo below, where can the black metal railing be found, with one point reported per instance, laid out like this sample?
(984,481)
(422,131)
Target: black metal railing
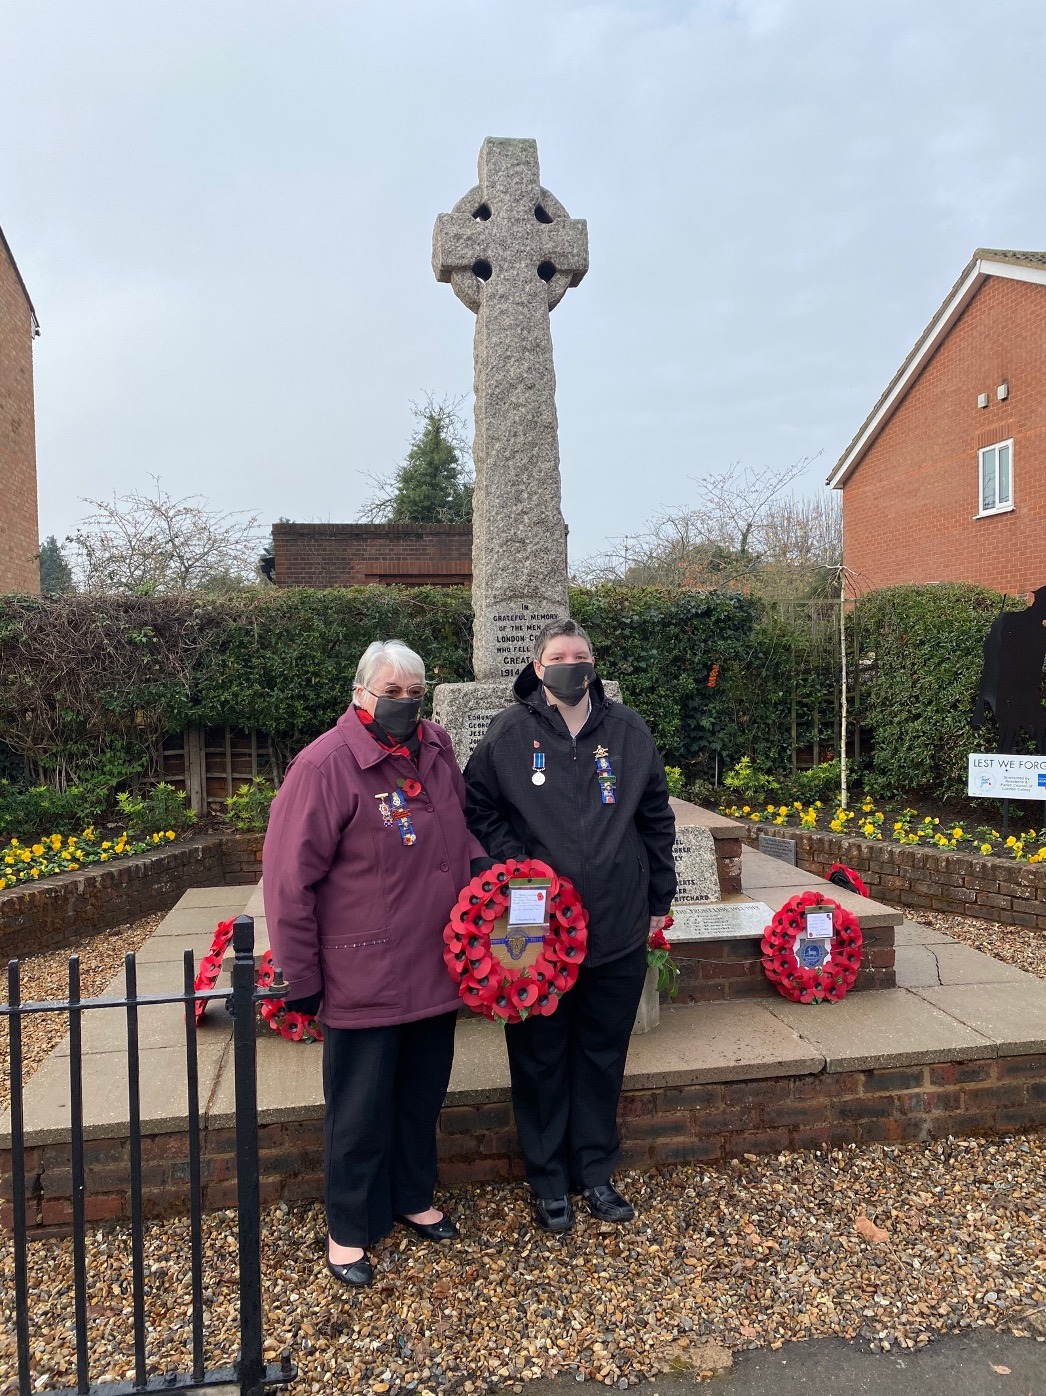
(249,1371)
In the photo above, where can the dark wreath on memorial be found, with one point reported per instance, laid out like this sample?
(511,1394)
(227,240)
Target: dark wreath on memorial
(508,993)
(812,949)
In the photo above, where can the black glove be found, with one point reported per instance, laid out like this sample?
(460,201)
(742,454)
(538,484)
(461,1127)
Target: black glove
(308,1006)
(478,866)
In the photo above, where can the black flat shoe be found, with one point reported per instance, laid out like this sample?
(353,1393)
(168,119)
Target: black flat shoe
(443,1230)
(554,1213)
(606,1203)
(357,1272)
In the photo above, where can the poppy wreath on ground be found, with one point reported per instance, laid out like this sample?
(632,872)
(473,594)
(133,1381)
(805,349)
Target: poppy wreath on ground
(296,1027)
(829,981)
(843,876)
(501,992)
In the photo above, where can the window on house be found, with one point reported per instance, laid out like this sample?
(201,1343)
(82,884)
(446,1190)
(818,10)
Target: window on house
(996,472)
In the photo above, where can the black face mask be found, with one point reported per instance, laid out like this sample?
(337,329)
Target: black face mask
(398,716)
(569,682)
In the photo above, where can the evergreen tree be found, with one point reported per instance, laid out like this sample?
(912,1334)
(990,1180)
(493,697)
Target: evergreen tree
(434,483)
(56,576)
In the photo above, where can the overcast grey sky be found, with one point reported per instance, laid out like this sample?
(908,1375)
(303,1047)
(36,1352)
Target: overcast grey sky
(223,212)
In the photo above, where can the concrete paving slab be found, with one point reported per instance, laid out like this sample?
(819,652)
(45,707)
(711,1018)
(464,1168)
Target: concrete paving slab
(916,966)
(290,1083)
(947,962)
(255,905)
(915,933)
(760,870)
(1011,1016)
(890,1027)
(105,1092)
(480,1063)
(196,920)
(701,1042)
(159,1026)
(214,897)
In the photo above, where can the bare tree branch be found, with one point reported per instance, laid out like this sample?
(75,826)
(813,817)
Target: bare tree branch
(147,544)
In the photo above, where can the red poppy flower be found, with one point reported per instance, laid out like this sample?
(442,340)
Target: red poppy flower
(412,787)
(502,1006)
(657,941)
(523,992)
(293,1027)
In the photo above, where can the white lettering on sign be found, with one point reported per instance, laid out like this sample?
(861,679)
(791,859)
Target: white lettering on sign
(1004,777)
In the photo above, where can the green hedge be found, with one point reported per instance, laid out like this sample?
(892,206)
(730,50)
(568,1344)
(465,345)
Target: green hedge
(924,647)
(89,686)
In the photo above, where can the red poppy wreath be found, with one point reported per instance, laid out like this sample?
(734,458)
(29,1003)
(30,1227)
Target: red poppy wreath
(502,992)
(829,980)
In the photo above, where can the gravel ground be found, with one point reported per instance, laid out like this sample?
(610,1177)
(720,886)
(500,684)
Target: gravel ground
(891,1246)
(1022,946)
(46,977)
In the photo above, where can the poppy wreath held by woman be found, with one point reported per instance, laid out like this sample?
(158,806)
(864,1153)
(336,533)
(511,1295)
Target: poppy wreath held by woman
(800,983)
(503,992)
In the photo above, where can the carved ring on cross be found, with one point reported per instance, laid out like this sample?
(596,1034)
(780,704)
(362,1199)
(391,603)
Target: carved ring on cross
(467,282)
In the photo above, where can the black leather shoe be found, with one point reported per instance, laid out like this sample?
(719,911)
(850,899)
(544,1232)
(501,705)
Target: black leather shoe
(443,1230)
(554,1213)
(606,1203)
(357,1272)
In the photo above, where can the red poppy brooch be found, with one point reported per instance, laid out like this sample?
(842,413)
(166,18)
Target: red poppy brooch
(826,964)
(504,992)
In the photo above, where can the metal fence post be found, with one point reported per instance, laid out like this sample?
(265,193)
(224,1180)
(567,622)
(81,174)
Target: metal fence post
(250,1367)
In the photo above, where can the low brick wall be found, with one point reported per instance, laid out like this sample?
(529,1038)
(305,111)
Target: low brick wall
(911,876)
(711,970)
(66,909)
(666,1125)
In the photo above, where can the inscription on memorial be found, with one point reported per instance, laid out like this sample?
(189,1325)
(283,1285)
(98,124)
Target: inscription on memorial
(514,634)
(782,849)
(721,921)
(697,873)
(472,731)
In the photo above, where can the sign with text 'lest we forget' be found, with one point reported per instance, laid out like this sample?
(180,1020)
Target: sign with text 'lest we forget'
(999,777)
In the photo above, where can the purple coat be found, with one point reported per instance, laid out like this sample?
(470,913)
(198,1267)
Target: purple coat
(351,910)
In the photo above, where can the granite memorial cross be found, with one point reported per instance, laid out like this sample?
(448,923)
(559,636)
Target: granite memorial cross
(510,251)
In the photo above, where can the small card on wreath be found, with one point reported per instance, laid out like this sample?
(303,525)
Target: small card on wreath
(521,934)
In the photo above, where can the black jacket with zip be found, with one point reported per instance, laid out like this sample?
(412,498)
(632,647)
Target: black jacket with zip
(619,856)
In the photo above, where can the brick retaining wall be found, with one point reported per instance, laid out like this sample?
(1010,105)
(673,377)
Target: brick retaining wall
(666,1125)
(918,877)
(66,909)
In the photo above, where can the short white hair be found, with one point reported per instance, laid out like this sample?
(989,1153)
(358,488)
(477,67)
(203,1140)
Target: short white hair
(400,657)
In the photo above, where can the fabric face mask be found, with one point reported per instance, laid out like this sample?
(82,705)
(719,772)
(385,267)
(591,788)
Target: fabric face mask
(569,682)
(398,716)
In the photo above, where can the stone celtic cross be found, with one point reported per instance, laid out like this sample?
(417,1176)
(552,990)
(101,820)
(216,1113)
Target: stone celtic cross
(510,250)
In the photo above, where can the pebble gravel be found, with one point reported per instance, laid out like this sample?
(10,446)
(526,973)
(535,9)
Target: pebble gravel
(891,1246)
(1023,946)
(45,978)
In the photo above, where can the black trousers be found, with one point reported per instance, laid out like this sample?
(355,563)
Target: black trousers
(566,1077)
(383,1089)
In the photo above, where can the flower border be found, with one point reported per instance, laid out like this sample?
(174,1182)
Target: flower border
(484,982)
(829,981)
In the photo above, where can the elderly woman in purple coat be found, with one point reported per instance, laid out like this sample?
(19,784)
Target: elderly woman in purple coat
(366,852)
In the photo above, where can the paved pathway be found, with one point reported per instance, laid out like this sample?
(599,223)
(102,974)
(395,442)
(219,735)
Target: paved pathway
(959,1365)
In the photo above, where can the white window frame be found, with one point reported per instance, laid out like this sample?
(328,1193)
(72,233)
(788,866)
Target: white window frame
(1000,507)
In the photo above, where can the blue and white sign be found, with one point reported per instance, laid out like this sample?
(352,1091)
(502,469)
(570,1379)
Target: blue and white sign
(999,777)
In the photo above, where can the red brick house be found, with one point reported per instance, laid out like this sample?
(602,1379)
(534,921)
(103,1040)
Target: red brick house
(19,539)
(946,479)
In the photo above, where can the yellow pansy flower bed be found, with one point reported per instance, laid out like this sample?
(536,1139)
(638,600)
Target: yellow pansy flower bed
(53,853)
(866,821)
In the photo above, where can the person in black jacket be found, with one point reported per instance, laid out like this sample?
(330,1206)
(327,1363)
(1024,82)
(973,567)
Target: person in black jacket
(567,776)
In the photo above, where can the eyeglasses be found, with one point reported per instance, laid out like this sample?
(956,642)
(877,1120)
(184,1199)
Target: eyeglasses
(416,691)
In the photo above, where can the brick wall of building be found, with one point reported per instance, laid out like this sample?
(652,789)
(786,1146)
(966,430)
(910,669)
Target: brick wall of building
(19,539)
(349,555)
(909,507)
(477,1143)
